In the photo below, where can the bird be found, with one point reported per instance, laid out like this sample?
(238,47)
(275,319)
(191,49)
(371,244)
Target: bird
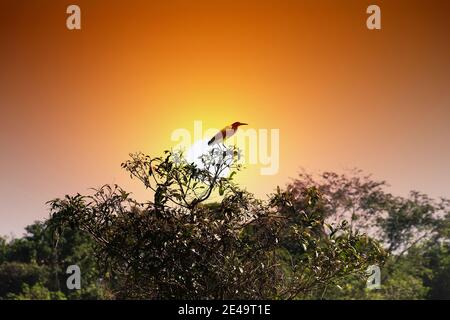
(225,133)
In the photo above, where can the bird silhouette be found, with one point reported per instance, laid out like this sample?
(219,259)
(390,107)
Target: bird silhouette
(225,133)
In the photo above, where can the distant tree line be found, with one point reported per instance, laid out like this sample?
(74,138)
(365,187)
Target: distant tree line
(313,239)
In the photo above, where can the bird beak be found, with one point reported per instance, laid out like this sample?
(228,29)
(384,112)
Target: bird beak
(243,124)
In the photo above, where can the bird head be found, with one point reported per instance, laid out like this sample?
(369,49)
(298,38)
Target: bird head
(236,125)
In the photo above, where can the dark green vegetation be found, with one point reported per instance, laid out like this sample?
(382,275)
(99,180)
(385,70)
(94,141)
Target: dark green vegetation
(312,240)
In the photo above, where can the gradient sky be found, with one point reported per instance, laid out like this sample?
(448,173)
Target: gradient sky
(73,104)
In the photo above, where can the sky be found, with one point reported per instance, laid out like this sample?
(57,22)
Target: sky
(75,103)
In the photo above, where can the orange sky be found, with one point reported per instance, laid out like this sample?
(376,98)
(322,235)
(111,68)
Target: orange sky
(75,103)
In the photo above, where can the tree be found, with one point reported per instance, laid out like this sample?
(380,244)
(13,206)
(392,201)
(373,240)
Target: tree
(439,278)
(413,230)
(36,292)
(398,222)
(37,261)
(14,274)
(181,246)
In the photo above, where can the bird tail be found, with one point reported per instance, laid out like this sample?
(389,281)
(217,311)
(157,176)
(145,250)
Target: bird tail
(210,142)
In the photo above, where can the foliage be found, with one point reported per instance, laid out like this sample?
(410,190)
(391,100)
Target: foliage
(37,261)
(36,292)
(312,240)
(439,279)
(14,274)
(179,246)
(414,231)
(399,222)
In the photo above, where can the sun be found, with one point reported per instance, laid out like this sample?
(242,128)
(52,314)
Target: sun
(195,152)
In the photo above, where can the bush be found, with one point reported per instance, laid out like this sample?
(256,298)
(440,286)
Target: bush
(179,246)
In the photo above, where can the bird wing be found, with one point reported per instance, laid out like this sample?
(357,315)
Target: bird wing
(221,135)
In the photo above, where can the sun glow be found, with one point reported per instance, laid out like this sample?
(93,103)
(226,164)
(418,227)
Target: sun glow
(201,148)
(195,152)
